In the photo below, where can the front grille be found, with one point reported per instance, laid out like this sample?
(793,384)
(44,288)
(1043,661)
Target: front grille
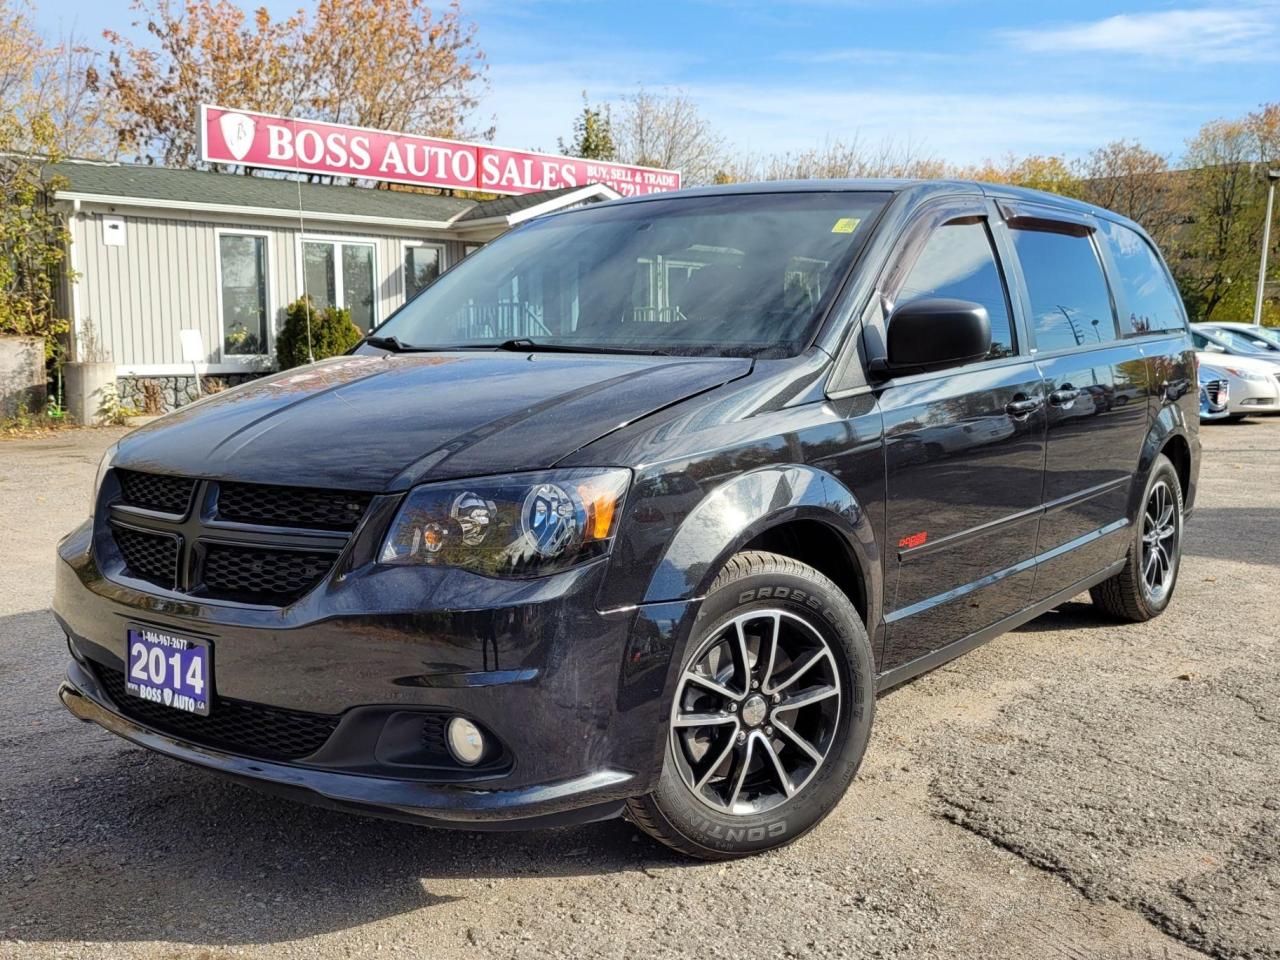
(235,546)
(148,556)
(154,492)
(270,733)
(291,506)
(260,575)
(1214,389)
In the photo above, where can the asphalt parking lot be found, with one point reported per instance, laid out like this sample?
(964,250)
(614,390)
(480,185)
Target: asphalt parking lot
(1075,789)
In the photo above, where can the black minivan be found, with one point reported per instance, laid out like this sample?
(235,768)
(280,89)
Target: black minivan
(636,510)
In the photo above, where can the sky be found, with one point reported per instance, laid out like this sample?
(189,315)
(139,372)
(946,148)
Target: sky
(960,82)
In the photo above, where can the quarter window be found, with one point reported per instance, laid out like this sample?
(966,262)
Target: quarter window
(1070,301)
(958,262)
(242,265)
(1151,303)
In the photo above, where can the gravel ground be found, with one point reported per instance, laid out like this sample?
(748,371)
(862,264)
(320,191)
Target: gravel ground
(1075,789)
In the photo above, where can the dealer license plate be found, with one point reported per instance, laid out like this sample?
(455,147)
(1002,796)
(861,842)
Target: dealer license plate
(169,670)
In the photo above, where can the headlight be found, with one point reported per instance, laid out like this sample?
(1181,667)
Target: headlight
(1244,374)
(103,466)
(516,526)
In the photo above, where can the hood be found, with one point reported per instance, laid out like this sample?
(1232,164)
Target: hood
(386,422)
(1240,362)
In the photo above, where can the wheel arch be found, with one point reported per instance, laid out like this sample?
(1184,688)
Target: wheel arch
(795,510)
(1171,435)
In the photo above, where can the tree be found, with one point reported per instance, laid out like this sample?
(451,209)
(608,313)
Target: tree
(667,130)
(389,64)
(1126,177)
(840,158)
(54,81)
(1052,174)
(1217,253)
(33,238)
(592,134)
(392,65)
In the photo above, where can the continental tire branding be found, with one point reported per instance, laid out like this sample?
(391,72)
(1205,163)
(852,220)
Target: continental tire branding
(727,834)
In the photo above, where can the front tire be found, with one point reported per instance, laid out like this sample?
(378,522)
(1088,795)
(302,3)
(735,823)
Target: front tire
(1144,587)
(771,717)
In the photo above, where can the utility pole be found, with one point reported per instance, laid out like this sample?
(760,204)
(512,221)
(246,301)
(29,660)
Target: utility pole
(1272,177)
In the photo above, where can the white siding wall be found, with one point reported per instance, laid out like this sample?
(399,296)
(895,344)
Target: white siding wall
(164,279)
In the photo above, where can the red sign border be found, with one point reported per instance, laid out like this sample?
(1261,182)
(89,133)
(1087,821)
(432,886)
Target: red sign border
(471,144)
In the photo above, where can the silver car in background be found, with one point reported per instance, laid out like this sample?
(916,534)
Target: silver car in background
(1265,340)
(1215,393)
(1215,339)
(1253,383)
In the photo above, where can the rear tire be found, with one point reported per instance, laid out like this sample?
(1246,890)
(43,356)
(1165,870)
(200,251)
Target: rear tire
(1144,587)
(772,713)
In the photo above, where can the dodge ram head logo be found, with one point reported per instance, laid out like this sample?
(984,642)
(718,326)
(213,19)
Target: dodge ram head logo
(237,133)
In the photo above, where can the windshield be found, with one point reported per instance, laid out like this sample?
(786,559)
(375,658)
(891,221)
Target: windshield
(1203,341)
(1263,339)
(736,275)
(1239,341)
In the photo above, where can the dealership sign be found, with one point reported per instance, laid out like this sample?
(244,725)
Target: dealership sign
(310,146)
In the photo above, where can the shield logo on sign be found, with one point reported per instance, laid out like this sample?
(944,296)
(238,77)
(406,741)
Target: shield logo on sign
(168,698)
(237,133)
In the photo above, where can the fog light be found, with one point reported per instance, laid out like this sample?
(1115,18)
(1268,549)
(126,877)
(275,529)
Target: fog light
(465,740)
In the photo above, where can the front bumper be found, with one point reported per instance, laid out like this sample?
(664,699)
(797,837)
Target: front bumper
(1254,396)
(576,697)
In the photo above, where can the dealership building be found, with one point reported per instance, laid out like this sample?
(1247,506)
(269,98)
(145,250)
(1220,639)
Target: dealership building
(155,252)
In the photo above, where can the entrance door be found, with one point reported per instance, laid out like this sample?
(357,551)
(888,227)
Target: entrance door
(964,453)
(340,273)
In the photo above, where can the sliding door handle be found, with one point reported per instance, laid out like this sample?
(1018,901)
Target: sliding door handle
(1022,407)
(1064,396)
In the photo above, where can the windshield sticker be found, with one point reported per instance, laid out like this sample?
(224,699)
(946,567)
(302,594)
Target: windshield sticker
(846,225)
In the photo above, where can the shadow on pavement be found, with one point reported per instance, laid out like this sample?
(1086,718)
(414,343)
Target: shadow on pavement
(103,841)
(138,847)
(1068,616)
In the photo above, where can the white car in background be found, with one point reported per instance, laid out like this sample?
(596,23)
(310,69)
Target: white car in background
(1253,384)
(1216,339)
(1266,340)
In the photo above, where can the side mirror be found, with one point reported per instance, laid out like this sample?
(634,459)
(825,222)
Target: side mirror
(935,334)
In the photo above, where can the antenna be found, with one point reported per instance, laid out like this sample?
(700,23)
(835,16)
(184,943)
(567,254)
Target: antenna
(302,243)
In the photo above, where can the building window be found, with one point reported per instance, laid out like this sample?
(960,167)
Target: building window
(422,264)
(340,273)
(242,265)
(470,248)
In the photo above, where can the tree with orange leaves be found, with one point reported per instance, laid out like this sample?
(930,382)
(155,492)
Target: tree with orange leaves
(390,64)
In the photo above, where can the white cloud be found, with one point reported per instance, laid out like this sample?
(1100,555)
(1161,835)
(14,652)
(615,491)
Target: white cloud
(1201,35)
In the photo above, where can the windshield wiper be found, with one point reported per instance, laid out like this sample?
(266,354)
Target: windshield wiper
(394,344)
(525,345)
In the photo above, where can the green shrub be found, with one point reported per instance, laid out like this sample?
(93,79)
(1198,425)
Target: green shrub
(332,333)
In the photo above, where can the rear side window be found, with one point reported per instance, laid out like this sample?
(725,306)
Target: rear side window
(1150,301)
(1070,302)
(957,262)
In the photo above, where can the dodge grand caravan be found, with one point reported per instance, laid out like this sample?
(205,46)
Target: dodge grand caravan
(637,509)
